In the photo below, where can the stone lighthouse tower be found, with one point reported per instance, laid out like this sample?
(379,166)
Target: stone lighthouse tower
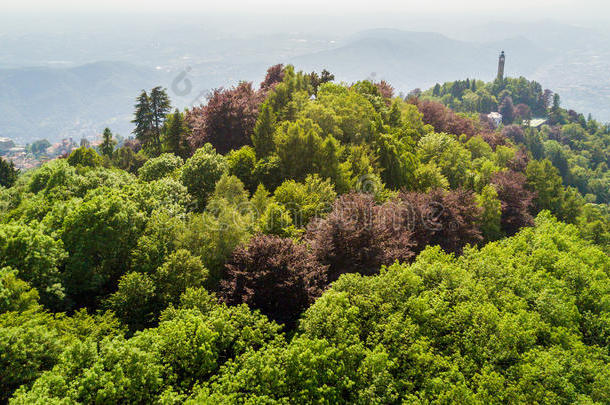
(501,66)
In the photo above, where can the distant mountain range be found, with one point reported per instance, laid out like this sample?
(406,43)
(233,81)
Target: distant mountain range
(56,103)
(59,99)
(419,59)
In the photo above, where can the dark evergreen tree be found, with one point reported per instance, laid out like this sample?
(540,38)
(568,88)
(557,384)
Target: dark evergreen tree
(262,137)
(176,135)
(556,102)
(316,80)
(107,145)
(149,117)
(160,106)
(143,119)
(8,173)
(545,99)
(437,90)
(326,76)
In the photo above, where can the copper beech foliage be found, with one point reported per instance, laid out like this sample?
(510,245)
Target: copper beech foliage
(449,219)
(275,75)
(385,90)
(443,119)
(516,200)
(519,162)
(281,277)
(228,119)
(277,276)
(514,132)
(494,139)
(497,324)
(359,236)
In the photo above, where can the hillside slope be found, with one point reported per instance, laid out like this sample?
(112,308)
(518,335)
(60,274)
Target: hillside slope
(56,103)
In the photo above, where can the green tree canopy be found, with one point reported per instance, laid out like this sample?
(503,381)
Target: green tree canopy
(201,172)
(159,167)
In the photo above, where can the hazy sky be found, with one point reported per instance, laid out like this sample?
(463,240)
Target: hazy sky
(581,8)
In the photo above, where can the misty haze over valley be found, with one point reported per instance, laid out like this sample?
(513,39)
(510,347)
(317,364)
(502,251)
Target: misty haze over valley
(72,77)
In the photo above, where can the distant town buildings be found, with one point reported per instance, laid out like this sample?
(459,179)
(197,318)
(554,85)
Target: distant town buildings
(63,147)
(495,118)
(19,156)
(537,122)
(6,144)
(25,159)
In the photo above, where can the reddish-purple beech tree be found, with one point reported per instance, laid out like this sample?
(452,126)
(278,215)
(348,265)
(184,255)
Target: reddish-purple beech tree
(449,219)
(359,236)
(275,75)
(277,276)
(227,121)
(516,200)
(514,132)
(385,89)
(494,139)
(444,119)
(520,161)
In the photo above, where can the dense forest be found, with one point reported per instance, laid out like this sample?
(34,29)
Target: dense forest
(307,241)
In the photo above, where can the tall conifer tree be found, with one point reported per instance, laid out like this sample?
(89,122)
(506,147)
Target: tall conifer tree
(176,135)
(107,145)
(160,106)
(143,119)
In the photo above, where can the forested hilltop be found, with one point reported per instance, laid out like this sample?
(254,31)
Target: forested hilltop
(306,241)
(578,146)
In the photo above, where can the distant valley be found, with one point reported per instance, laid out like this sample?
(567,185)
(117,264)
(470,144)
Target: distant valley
(71,96)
